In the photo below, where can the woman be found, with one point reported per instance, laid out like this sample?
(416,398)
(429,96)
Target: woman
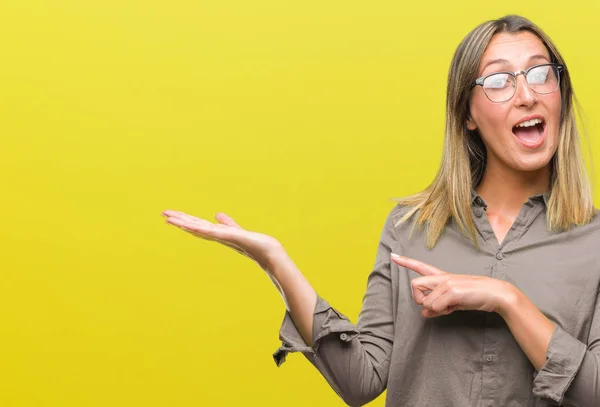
(485,285)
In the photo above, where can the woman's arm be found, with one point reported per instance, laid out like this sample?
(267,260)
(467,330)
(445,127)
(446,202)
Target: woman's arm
(531,329)
(354,359)
(571,372)
(568,369)
(449,292)
(299,296)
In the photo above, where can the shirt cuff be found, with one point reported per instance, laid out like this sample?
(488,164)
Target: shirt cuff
(563,360)
(326,321)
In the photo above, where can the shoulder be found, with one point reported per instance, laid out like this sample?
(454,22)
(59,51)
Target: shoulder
(593,227)
(587,234)
(399,219)
(399,212)
(594,222)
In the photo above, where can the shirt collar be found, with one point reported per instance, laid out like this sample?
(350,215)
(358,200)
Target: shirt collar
(545,197)
(478,201)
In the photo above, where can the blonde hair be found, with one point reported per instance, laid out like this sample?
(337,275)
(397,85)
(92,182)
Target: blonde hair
(464,155)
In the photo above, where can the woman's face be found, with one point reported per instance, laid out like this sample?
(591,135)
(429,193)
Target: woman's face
(509,147)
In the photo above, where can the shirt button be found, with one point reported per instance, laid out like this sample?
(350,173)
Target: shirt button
(344,337)
(489,358)
(499,256)
(478,212)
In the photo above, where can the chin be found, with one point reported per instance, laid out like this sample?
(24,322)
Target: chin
(531,164)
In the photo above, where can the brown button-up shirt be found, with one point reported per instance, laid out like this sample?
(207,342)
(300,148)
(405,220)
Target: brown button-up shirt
(466,358)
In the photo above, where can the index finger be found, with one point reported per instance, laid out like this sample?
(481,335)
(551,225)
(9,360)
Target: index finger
(416,266)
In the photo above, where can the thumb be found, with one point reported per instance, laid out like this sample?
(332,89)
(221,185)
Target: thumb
(226,220)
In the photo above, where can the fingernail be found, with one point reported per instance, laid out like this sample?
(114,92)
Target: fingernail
(396,256)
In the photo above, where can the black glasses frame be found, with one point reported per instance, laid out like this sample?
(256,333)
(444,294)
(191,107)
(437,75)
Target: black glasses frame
(479,81)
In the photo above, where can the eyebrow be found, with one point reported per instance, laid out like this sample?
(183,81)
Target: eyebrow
(504,61)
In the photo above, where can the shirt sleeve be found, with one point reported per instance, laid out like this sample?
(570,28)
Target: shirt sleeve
(571,375)
(354,359)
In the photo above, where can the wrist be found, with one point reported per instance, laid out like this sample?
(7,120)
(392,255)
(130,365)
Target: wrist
(508,300)
(278,261)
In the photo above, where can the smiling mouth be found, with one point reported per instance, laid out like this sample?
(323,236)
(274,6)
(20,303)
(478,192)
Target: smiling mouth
(532,135)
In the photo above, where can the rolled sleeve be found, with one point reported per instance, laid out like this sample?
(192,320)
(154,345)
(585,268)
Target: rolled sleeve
(573,366)
(563,360)
(326,321)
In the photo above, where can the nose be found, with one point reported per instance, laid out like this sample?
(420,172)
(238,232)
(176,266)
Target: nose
(524,95)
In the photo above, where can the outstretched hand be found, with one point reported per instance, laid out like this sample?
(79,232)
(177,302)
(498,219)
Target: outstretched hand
(441,293)
(256,246)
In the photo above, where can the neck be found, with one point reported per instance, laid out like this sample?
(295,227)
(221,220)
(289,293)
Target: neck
(504,189)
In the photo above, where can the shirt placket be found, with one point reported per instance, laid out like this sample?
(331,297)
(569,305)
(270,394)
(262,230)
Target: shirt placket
(491,357)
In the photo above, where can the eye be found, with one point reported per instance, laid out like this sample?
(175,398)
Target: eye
(497,81)
(538,76)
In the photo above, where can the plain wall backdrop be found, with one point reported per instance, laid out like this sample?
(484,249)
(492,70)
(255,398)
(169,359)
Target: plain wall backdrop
(298,119)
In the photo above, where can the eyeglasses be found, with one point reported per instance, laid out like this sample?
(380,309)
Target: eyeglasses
(501,86)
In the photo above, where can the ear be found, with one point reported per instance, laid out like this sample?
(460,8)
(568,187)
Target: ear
(471,125)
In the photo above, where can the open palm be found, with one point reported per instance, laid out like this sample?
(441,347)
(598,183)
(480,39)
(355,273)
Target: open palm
(257,246)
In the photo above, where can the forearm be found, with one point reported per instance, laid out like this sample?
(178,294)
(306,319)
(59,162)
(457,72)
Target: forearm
(297,293)
(531,329)
(354,363)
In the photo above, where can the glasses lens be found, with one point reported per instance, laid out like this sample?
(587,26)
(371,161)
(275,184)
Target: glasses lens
(499,87)
(543,79)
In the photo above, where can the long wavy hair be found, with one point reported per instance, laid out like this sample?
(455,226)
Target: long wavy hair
(464,154)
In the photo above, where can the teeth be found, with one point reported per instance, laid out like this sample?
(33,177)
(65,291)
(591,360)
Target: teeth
(529,123)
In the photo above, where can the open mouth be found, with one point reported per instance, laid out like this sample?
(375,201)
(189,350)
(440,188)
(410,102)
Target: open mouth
(530,132)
